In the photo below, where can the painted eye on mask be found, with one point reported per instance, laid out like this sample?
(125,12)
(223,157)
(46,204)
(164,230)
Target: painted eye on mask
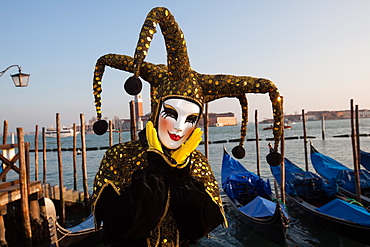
(192,119)
(169,112)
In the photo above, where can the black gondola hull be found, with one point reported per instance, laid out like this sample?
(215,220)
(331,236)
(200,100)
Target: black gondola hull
(345,228)
(273,228)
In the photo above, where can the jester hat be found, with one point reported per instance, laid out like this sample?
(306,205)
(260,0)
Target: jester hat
(177,79)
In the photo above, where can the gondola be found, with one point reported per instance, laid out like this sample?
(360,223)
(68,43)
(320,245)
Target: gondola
(83,234)
(251,200)
(332,170)
(315,200)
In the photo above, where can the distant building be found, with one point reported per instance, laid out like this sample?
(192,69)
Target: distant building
(317,115)
(219,119)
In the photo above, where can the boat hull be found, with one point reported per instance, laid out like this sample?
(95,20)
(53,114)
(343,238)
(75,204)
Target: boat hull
(345,228)
(88,237)
(273,228)
(249,197)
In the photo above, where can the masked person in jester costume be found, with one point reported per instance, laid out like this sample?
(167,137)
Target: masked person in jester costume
(159,190)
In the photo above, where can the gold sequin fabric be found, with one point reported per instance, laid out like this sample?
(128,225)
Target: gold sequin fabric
(121,160)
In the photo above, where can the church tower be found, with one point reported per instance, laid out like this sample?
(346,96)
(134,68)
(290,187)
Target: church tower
(138,106)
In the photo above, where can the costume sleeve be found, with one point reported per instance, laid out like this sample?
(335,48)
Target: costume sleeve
(128,215)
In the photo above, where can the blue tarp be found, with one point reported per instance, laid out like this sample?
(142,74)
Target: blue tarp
(326,166)
(234,175)
(230,167)
(259,207)
(331,169)
(365,159)
(298,181)
(237,182)
(341,209)
(290,171)
(347,181)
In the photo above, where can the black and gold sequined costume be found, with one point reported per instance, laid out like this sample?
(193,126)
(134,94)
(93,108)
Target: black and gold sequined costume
(142,201)
(139,197)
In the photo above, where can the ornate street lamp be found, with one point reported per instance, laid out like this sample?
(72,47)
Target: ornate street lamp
(20,79)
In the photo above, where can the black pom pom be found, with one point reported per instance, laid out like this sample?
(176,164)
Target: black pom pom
(238,152)
(274,159)
(133,85)
(100,127)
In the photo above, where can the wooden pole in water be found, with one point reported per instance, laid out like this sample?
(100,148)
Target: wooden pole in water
(257,142)
(110,133)
(5,131)
(74,157)
(43,155)
(355,154)
(358,151)
(27,159)
(120,135)
(282,148)
(36,152)
(206,132)
(305,139)
(323,127)
(84,170)
(60,166)
(5,136)
(358,139)
(132,120)
(23,187)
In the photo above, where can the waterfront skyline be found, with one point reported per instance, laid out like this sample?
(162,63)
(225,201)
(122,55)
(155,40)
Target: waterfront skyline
(316,52)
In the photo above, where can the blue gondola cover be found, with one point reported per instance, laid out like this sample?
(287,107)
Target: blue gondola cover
(331,169)
(235,175)
(295,176)
(346,180)
(354,213)
(259,207)
(365,159)
(326,166)
(256,184)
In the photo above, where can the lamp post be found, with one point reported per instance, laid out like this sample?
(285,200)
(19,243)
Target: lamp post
(20,79)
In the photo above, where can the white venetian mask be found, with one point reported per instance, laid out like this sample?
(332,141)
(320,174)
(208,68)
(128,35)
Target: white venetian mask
(177,120)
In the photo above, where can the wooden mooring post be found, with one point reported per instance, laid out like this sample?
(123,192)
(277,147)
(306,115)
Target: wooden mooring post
(132,120)
(36,153)
(110,133)
(74,157)
(282,148)
(43,155)
(206,132)
(84,170)
(60,166)
(257,142)
(23,187)
(323,127)
(356,163)
(305,139)
(5,135)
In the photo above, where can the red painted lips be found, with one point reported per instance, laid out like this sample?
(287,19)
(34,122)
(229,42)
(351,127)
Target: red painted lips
(174,137)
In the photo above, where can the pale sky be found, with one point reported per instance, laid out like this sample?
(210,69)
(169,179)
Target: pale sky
(316,52)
